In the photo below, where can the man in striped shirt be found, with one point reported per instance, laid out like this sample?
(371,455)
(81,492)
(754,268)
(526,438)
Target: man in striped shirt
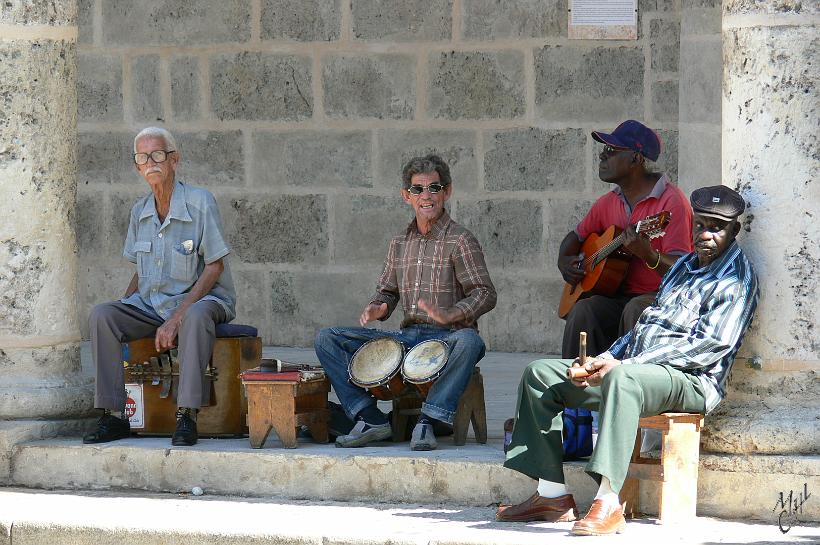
(436,269)
(677,358)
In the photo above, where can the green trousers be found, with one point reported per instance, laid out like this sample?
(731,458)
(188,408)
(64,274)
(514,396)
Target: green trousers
(627,393)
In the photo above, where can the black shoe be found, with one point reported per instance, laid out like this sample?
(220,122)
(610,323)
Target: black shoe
(109,428)
(186,435)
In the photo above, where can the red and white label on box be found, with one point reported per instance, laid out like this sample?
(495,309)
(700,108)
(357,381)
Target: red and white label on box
(135,406)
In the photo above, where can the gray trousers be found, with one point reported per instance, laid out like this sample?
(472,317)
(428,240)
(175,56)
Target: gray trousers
(114,323)
(605,319)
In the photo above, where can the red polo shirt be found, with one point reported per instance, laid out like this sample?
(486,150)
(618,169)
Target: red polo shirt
(612,209)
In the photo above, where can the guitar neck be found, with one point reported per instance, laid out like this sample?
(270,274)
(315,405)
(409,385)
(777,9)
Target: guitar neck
(604,252)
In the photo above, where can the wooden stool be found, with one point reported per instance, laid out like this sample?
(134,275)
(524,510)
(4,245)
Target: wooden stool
(284,406)
(676,469)
(470,409)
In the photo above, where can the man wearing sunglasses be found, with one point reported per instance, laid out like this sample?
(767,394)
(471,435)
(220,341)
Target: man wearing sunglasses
(436,269)
(181,289)
(637,194)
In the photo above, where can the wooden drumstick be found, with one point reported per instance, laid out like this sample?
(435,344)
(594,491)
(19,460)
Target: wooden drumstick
(580,372)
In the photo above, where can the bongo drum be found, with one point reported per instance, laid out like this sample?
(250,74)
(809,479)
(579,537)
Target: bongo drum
(375,366)
(424,363)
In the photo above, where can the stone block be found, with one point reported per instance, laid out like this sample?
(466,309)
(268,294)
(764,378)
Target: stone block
(526,316)
(701,21)
(457,148)
(701,81)
(476,85)
(34,364)
(364,225)
(312,159)
(211,158)
(85,21)
(186,94)
(402,20)
(534,159)
(38,12)
(562,216)
(303,303)
(370,86)
(252,297)
(175,22)
(665,100)
(699,157)
(493,20)
(278,228)
(664,44)
(575,84)
(99,87)
(741,7)
(509,231)
(301,20)
(92,229)
(106,157)
(145,89)
(98,283)
(120,203)
(261,86)
(668,160)
(656,5)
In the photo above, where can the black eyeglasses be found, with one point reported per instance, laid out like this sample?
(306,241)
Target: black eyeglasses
(419,189)
(159,156)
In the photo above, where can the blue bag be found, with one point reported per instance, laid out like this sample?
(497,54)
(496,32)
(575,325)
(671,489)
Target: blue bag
(577,433)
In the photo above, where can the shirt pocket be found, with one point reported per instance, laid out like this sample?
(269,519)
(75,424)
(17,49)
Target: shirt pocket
(183,265)
(142,250)
(684,314)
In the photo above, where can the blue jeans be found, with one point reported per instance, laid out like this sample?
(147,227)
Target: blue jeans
(335,347)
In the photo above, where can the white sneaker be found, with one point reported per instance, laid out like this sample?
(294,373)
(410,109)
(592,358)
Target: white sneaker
(364,433)
(423,437)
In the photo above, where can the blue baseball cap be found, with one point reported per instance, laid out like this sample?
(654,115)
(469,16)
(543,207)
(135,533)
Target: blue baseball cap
(633,135)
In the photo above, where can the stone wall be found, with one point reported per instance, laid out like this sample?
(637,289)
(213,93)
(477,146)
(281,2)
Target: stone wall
(298,115)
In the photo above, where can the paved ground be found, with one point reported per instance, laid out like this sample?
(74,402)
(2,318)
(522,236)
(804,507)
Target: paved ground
(104,518)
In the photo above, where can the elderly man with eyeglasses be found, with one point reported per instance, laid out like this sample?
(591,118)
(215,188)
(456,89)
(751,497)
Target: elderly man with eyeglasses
(436,269)
(181,289)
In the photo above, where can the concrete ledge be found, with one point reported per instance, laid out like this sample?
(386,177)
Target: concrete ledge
(729,486)
(105,518)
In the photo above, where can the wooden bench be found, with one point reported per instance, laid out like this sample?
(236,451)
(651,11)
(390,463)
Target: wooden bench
(470,410)
(284,406)
(676,469)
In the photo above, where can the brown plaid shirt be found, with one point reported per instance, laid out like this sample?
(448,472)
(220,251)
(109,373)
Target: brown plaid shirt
(445,267)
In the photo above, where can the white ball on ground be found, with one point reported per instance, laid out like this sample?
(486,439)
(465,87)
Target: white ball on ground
(197,491)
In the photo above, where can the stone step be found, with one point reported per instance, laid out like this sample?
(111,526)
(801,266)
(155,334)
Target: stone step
(109,518)
(471,475)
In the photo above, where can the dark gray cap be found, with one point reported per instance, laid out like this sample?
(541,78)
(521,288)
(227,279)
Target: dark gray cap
(718,201)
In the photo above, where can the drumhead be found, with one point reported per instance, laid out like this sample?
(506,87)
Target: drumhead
(376,361)
(424,361)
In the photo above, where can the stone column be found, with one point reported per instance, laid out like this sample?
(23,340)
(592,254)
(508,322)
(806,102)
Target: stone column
(41,387)
(770,153)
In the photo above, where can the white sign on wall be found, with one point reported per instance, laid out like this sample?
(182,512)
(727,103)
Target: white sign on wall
(603,19)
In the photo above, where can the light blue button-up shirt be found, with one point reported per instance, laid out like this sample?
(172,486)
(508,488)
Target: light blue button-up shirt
(171,256)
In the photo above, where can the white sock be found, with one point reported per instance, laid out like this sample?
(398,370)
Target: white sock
(550,489)
(606,493)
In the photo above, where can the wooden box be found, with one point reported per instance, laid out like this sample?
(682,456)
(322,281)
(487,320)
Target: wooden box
(228,406)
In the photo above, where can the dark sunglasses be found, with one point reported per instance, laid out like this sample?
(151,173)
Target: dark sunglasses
(419,189)
(612,150)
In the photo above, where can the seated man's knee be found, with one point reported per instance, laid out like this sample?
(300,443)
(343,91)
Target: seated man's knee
(99,314)
(198,313)
(616,376)
(323,336)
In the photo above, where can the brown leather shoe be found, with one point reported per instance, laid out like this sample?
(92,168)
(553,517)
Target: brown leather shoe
(602,519)
(560,509)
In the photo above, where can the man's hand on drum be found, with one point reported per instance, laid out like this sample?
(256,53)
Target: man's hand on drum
(444,316)
(373,311)
(166,336)
(597,367)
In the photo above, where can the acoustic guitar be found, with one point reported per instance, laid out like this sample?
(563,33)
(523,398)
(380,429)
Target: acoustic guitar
(604,261)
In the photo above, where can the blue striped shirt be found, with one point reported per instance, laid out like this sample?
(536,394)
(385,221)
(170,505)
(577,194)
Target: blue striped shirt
(697,321)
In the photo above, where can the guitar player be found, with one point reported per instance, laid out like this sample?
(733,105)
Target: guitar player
(637,193)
